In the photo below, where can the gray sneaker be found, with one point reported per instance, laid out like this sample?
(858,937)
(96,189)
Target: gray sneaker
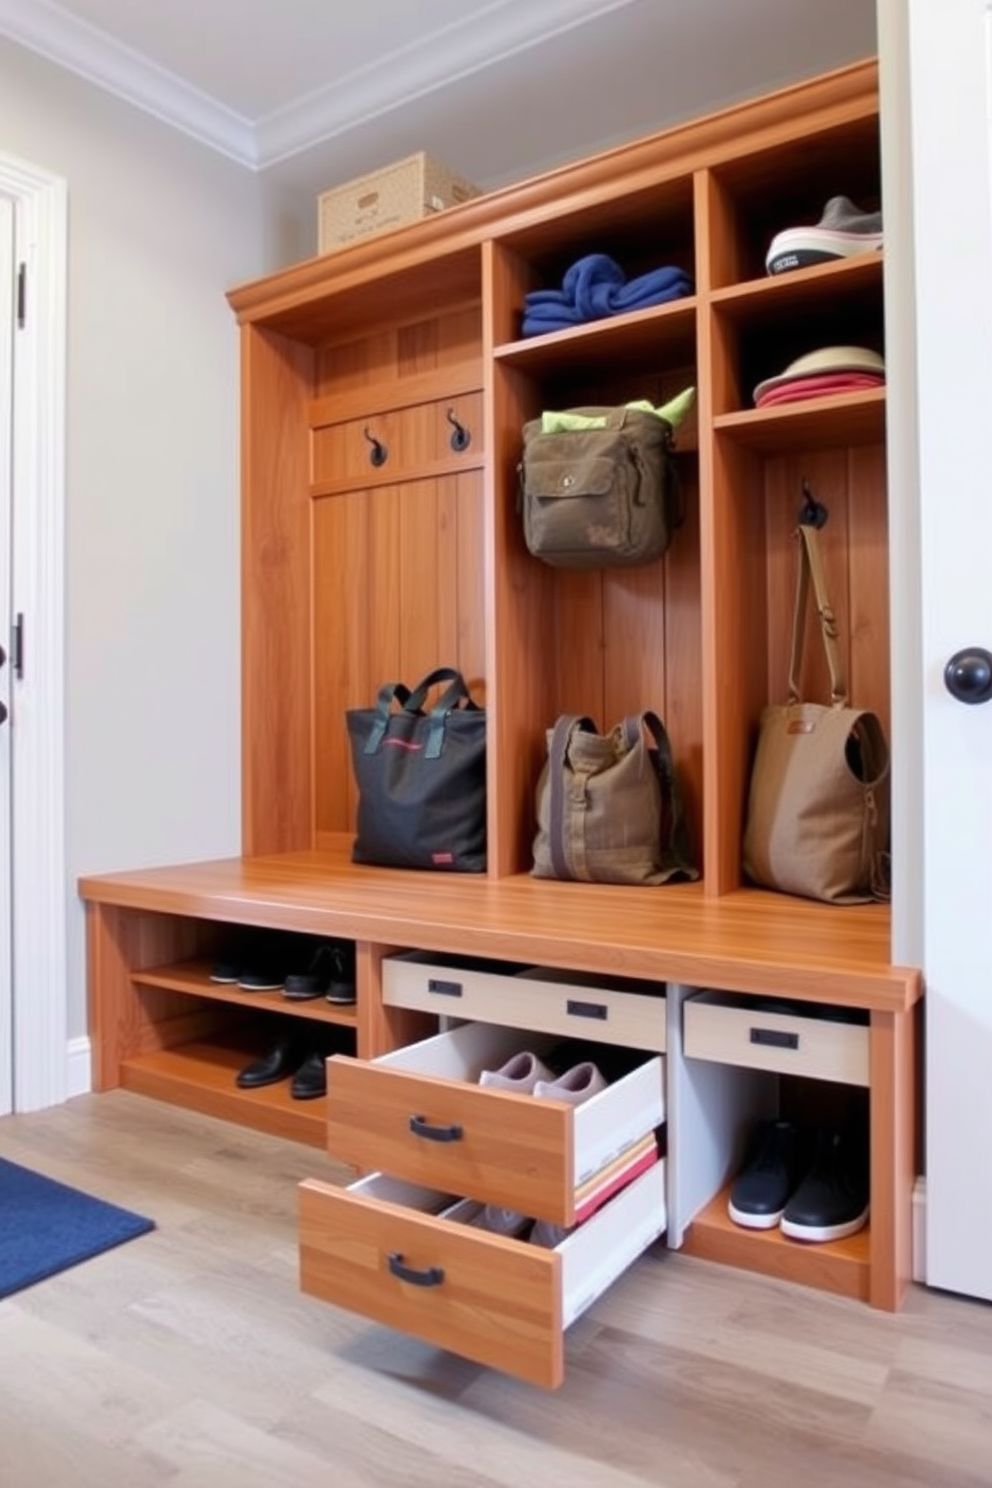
(842,231)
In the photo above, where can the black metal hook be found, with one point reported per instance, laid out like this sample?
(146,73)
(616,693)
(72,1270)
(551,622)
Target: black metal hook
(461,438)
(378,454)
(812,513)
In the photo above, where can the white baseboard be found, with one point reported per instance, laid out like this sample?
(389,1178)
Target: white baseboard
(920,1230)
(79,1068)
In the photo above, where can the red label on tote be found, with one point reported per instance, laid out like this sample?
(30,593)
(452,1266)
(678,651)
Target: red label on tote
(442,857)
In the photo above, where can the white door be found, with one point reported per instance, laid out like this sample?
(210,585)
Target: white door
(7,304)
(949,67)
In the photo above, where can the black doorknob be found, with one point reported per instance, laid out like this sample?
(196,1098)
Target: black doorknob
(968,675)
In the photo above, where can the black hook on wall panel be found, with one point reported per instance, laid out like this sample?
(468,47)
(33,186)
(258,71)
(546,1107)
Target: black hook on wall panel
(812,513)
(461,437)
(378,454)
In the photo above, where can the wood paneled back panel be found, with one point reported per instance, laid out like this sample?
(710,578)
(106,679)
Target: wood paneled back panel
(397,591)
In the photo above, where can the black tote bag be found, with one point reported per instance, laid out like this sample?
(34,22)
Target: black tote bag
(421,777)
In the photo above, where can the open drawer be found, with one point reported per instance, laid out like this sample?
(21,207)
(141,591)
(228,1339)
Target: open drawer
(411,1258)
(420,1114)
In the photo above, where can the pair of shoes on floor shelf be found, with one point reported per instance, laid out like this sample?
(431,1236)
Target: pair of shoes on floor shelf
(330,972)
(525,1074)
(813,1185)
(292,1055)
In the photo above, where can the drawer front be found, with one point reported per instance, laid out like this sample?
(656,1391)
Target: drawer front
(381,1249)
(783,1042)
(419,1114)
(574,1005)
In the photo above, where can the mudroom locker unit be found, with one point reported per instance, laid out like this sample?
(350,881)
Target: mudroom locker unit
(358,571)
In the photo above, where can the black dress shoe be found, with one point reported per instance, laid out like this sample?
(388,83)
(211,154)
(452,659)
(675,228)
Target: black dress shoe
(330,974)
(277,1064)
(310,1079)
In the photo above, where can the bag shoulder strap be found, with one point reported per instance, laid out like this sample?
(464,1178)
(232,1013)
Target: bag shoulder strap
(565,726)
(811,567)
(677,844)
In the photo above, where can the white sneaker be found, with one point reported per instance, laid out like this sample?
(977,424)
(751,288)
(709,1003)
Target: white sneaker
(520,1073)
(500,1221)
(549,1235)
(575,1086)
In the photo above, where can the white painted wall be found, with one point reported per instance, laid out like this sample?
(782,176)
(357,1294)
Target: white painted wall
(159,228)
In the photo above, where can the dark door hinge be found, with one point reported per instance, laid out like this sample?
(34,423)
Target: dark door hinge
(17,657)
(22,295)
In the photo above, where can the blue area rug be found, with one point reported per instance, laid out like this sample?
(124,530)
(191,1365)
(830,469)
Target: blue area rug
(45,1227)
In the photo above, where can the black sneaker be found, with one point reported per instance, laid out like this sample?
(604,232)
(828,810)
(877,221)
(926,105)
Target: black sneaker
(832,1200)
(762,1189)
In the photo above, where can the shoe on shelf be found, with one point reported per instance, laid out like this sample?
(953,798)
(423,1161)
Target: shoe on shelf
(341,989)
(260,978)
(772,1172)
(576,1085)
(842,231)
(327,966)
(278,1063)
(310,1079)
(520,1073)
(831,1202)
(225,972)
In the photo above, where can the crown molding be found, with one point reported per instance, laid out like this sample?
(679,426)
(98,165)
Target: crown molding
(394,79)
(397,78)
(94,55)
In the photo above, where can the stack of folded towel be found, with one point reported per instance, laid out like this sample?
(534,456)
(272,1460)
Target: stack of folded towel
(596,286)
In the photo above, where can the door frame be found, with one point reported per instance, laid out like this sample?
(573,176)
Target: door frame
(38,704)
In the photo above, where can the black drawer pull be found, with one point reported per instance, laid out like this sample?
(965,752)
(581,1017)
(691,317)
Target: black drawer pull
(587,1010)
(443,988)
(422,1128)
(432,1276)
(775,1038)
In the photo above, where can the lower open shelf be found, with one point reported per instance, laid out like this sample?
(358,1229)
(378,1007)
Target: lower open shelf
(201,1077)
(841,1266)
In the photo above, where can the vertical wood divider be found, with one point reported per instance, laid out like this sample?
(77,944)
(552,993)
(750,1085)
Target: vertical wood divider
(276,669)
(893,1155)
(520,639)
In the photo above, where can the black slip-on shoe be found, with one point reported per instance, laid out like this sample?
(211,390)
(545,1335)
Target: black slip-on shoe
(310,1079)
(765,1184)
(278,1063)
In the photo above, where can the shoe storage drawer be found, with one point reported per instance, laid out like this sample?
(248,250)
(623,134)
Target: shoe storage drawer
(409,1258)
(724,1029)
(420,1114)
(573,1004)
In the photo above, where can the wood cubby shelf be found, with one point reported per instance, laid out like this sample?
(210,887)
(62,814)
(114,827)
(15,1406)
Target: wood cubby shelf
(355,574)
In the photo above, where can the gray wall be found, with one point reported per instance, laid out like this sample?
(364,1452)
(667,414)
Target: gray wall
(159,227)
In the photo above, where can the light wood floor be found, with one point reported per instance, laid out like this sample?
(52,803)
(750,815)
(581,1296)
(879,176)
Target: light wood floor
(187,1358)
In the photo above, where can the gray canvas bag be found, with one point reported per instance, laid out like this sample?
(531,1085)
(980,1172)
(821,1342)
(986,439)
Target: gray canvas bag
(600,497)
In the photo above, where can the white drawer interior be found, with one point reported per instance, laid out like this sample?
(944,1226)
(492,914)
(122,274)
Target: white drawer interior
(603,1126)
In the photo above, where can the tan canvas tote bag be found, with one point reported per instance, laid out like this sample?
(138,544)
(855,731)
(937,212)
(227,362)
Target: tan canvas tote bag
(609,808)
(818,808)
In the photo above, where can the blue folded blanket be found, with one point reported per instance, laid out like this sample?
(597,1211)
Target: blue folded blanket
(596,286)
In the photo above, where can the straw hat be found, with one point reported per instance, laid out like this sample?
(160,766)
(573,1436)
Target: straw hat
(826,359)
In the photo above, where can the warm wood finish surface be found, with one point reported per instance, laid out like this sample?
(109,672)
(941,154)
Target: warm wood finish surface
(499,1302)
(189,1358)
(511,1150)
(747,942)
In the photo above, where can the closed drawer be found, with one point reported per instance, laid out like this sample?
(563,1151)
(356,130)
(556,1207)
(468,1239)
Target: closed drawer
(420,1114)
(724,1029)
(411,1259)
(611,1010)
